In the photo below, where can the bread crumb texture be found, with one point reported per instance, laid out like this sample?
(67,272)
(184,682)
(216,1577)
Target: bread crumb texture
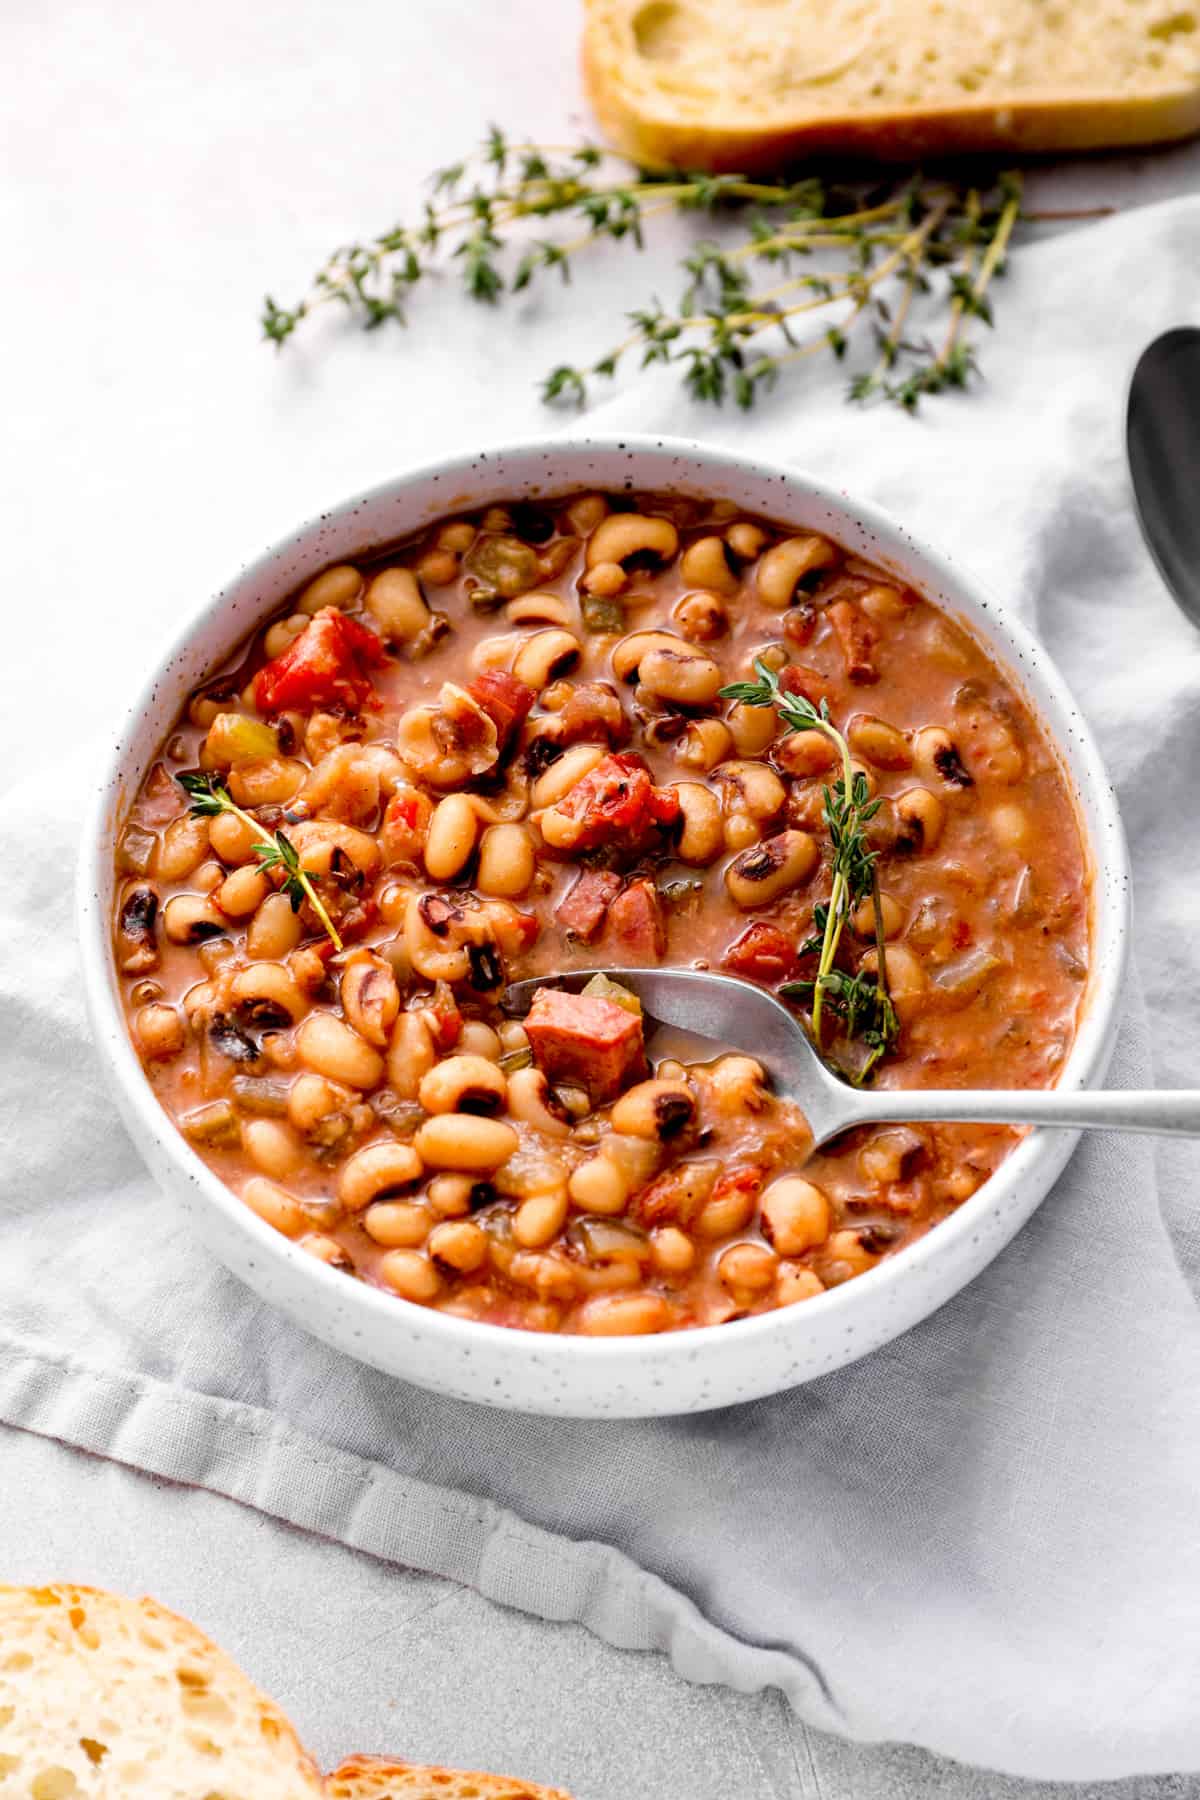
(1045,73)
(104,1698)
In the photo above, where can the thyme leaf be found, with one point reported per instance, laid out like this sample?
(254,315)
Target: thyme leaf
(901,268)
(860,1001)
(209,798)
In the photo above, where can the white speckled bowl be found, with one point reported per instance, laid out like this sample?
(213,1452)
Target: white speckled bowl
(682,1371)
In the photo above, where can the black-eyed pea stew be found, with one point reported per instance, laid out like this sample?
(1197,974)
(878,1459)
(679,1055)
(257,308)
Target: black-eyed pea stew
(503,749)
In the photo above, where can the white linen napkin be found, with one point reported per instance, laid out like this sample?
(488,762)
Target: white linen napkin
(981,1539)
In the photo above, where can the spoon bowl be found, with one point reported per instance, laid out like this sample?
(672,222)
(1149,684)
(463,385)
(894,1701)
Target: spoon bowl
(1162,436)
(727,1012)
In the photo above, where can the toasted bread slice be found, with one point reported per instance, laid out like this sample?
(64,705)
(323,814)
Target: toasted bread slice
(375,1778)
(103,1698)
(754,85)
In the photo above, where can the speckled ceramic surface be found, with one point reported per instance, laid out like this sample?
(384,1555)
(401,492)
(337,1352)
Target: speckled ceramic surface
(677,1372)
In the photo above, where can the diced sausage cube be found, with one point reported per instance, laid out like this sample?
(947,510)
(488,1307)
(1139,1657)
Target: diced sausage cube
(588,1041)
(636,923)
(583,910)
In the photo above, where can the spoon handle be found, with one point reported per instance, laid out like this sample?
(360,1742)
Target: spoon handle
(1165,1111)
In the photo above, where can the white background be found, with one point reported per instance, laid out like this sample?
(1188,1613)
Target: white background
(164,167)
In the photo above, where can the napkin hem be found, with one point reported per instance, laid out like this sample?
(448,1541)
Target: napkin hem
(137,1421)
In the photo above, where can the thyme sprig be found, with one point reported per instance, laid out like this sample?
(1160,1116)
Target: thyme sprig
(884,261)
(209,798)
(860,1001)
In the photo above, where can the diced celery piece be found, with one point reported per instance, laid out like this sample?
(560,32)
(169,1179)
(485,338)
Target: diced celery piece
(600,987)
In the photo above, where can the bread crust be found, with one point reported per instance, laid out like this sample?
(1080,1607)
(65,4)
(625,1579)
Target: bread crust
(379,1778)
(1009,124)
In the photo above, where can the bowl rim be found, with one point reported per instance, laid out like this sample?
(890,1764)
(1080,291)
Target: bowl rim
(1080,760)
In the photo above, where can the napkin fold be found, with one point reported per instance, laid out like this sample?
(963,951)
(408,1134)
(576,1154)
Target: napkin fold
(981,1539)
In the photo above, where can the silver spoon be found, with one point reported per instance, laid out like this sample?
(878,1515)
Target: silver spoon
(1162,438)
(729,1012)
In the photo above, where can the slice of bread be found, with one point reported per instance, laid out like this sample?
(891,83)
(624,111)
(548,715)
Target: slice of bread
(103,1698)
(756,85)
(374,1778)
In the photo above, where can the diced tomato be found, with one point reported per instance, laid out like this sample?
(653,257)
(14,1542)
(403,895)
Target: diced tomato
(583,911)
(405,822)
(505,700)
(445,1017)
(762,953)
(799,679)
(617,802)
(635,920)
(325,666)
(585,1039)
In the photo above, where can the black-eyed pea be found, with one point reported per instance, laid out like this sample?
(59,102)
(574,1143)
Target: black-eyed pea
(327,1250)
(730,1209)
(781,569)
(604,580)
(752,728)
(796,1284)
(750,787)
(182,847)
(632,540)
(747,1269)
(709,563)
(159,1030)
(907,983)
(701,617)
(684,676)
(272,1147)
(937,760)
(398,1224)
(242,892)
(539,1219)
(624,1315)
(397,605)
(891,917)
(437,567)
(878,743)
(464,1084)
(794,1215)
(208,877)
(268,994)
(557,781)
(458,1245)
(493,652)
(702,834)
(672,1250)
(883,604)
(738,1085)
(740,830)
(847,1254)
(283,633)
(628,655)
(339,586)
(452,1196)
(267,780)
(191,919)
(767,870)
(538,609)
(276,1206)
(1010,826)
(920,818)
(377,1172)
(704,744)
(745,540)
(478,1039)
(598,1186)
(658,1110)
(410,1274)
(585,513)
(465,1142)
(330,1047)
(531,1101)
(231,838)
(892,1153)
(450,840)
(506,861)
(545,657)
(456,535)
